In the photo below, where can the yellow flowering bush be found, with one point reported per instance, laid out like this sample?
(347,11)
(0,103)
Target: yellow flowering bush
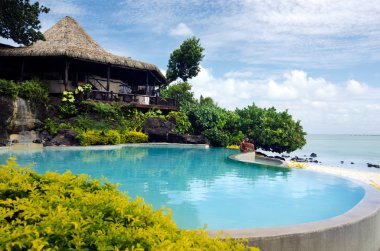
(296,164)
(111,137)
(73,212)
(97,137)
(134,137)
(233,147)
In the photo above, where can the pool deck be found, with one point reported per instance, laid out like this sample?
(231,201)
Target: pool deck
(357,229)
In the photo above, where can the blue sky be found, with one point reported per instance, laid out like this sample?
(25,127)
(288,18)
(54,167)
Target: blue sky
(317,58)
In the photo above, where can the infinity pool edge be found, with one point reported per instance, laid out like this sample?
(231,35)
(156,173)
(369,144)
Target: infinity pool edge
(357,229)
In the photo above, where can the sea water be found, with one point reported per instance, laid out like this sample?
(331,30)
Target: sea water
(355,151)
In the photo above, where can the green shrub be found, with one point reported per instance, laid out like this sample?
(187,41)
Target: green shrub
(34,90)
(68,109)
(51,126)
(236,138)
(111,111)
(216,137)
(84,122)
(154,113)
(8,88)
(134,119)
(134,137)
(73,212)
(181,121)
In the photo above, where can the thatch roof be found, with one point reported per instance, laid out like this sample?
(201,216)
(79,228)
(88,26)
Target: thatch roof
(67,38)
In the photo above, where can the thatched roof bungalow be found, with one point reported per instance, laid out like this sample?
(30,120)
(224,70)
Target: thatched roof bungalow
(69,56)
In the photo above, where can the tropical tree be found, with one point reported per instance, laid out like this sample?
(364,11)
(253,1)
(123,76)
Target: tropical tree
(19,20)
(206,101)
(180,91)
(271,130)
(184,61)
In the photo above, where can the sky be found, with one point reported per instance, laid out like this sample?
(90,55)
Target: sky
(319,59)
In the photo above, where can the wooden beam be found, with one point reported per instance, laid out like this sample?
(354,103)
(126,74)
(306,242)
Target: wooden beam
(155,77)
(108,76)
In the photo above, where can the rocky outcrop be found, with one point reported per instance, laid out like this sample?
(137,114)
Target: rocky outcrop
(161,130)
(64,138)
(373,165)
(187,139)
(4,138)
(20,116)
(6,111)
(157,129)
(23,118)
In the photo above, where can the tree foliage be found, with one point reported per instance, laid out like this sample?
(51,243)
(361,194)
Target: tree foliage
(19,20)
(213,122)
(180,91)
(271,130)
(184,61)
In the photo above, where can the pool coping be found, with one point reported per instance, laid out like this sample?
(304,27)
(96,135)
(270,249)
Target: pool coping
(362,219)
(119,146)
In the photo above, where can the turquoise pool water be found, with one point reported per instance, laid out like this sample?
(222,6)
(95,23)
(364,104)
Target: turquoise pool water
(202,186)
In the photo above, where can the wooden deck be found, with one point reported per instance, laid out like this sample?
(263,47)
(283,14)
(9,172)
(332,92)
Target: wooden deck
(135,100)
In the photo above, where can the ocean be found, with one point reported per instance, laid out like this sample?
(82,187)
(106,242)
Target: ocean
(354,150)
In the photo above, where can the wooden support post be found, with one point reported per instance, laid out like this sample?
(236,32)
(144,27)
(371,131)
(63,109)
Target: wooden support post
(22,69)
(66,75)
(147,82)
(76,78)
(108,76)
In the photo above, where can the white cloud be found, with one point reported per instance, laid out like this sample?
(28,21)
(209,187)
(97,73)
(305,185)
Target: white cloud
(314,33)
(238,74)
(181,30)
(322,106)
(356,88)
(277,91)
(297,85)
(63,7)
(58,10)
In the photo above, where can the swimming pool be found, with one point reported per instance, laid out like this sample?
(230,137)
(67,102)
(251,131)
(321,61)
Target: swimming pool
(202,186)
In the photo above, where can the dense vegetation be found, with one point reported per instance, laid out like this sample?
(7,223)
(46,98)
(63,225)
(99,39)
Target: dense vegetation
(73,212)
(270,130)
(34,90)
(104,123)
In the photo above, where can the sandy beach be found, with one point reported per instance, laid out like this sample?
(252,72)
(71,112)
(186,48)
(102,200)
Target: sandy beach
(364,176)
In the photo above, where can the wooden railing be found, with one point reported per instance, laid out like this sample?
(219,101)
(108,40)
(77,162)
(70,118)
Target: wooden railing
(133,98)
(163,101)
(96,83)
